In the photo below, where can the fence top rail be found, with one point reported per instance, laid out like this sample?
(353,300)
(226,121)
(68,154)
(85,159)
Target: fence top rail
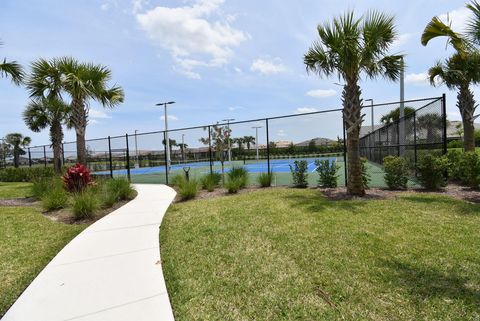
(432,99)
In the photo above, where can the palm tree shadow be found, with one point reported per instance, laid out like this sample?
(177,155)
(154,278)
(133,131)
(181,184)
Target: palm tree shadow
(317,202)
(461,207)
(427,282)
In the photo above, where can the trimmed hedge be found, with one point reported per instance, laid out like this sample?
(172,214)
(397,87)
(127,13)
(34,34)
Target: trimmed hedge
(25,174)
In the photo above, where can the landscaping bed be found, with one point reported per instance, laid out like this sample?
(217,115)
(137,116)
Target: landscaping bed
(292,254)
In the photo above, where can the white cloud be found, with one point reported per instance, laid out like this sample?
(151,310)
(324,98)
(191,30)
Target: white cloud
(192,35)
(137,5)
(302,110)
(233,108)
(454,115)
(95,113)
(281,133)
(268,67)
(170,117)
(458,18)
(417,79)
(238,70)
(401,40)
(321,93)
(93,122)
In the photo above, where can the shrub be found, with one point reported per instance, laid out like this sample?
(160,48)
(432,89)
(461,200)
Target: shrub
(365,174)
(25,174)
(454,164)
(455,144)
(431,171)
(327,170)
(77,178)
(234,184)
(240,174)
(188,189)
(120,188)
(299,173)
(54,199)
(470,169)
(177,179)
(210,181)
(396,172)
(42,185)
(84,205)
(265,179)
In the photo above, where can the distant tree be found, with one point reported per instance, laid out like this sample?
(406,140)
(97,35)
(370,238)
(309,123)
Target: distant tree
(291,149)
(312,146)
(182,149)
(219,141)
(239,141)
(432,124)
(459,130)
(171,143)
(249,140)
(17,142)
(394,115)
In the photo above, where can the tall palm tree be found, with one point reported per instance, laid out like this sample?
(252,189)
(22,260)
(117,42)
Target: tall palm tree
(459,72)
(49,112)
(11,69)
(239,141)
(249,140)
(182,147)
(84,82)
(351,48)
(17,142)
(461,69)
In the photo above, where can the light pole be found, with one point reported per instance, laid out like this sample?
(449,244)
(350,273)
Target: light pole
(401,124)
(229,147)
(167,140)
(371,106)
(256,138)
(136,150)
(183,148)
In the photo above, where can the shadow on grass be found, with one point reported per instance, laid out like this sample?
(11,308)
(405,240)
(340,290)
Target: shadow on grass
(426,282)
(461,207)
(317,202)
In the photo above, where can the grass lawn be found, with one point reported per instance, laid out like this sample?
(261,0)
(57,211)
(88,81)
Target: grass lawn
(14,190)
(28,241)
(287,254)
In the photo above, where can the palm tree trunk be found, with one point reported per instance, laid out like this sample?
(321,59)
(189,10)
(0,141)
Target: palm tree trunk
(56,137)
(79,120)
(16,157)
(353,120)
(466,105)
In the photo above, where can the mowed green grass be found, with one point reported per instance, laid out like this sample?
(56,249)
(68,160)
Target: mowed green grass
(14,190)
(28,241)
(289,254)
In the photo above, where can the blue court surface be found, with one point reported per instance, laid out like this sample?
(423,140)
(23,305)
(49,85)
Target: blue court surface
(252,166)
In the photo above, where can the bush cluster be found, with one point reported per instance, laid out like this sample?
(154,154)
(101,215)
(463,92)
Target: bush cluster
(77,178)
(265,179)
(211,181)
(327,171)
(299,173)
(431,171)
(396,172)
(25,174)
(469,169)
(237,178)
(187,189)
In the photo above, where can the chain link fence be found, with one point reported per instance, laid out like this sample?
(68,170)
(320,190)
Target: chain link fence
(263,145)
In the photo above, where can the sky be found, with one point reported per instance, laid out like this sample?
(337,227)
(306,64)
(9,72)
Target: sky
(216,59)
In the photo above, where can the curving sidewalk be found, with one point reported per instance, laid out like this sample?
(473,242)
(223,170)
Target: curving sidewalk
(110,271)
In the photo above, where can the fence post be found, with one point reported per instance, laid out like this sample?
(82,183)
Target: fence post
(165,156)
(398,137)
(128,158)
(344,151)
(63,154)
(29,159)
(110,157)
(210,150)
(268,146)
(415,141)
(444,111)
(45,155)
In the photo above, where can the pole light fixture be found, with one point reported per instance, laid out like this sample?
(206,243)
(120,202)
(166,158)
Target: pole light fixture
(256,138)
(167,140)
(371,106)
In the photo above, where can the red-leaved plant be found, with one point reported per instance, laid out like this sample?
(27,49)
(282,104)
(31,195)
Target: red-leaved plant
(77,178)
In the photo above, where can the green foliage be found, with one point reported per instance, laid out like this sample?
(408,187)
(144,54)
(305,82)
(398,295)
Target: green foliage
(177,179)
(431,171)
(454,169)
(299,173)
(211,181)
(84,205)
(188,189)
(396,172)
(25,174)
(327,170)
(54,198)
(120,188)
(470,169)
(234,184)
(365,173)
(265,179)
(455,144)
(42,185)
(240,174)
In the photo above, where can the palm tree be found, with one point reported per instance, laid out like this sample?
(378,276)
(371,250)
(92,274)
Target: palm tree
(461,69)
(239,141)
(17,142)
(171,143)
(459,72)
(48,112)
(11,69)
(432,123)
(249,140)
(350,48)
(394,115)
(83,82)
(182,147)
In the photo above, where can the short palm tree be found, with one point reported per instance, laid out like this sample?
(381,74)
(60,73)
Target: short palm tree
(459,72)
(432,124)
(84,82)
(11,69)
(239,141)
(49,112)
(351,48)
(249,140)
(17,142)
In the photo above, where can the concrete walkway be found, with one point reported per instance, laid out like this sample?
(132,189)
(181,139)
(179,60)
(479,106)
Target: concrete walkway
(109,272)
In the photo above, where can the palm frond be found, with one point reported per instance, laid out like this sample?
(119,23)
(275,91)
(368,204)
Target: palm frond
(436,28)
(473,25)
(436,74)
(13,70)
